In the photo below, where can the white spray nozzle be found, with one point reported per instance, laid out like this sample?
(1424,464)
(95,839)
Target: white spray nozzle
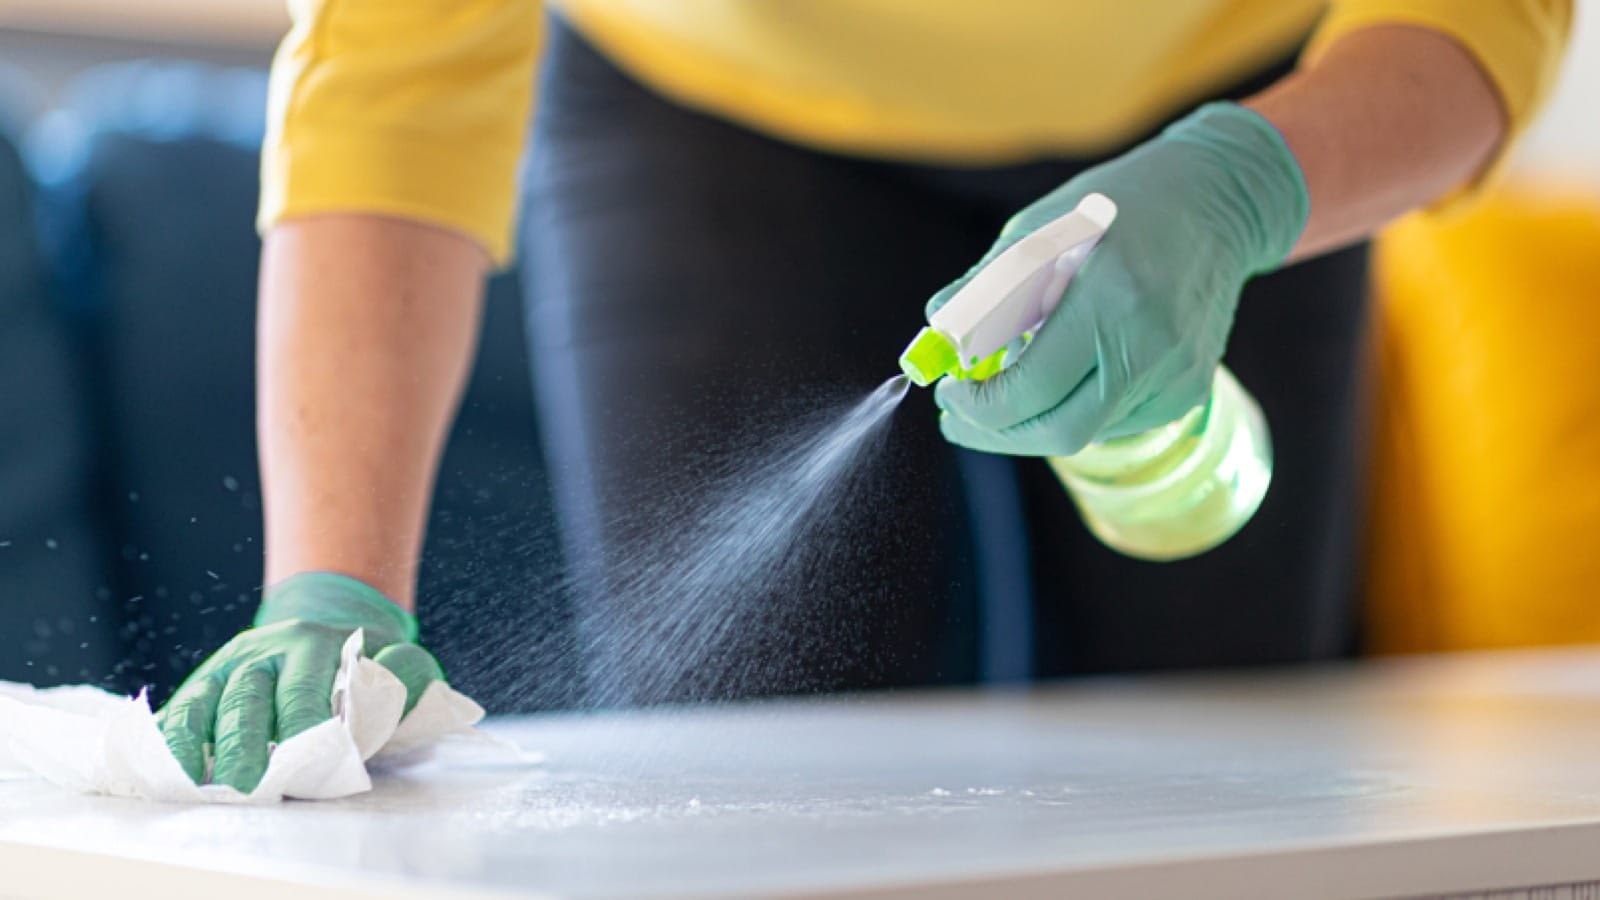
(1015,292)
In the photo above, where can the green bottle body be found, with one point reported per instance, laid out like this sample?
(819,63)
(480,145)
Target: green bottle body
(1180,489)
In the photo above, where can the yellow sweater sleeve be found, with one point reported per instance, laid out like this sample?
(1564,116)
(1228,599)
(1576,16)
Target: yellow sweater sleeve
(410,108)
(1518,43)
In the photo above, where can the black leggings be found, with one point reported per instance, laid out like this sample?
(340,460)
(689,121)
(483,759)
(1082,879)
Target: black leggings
(691,281)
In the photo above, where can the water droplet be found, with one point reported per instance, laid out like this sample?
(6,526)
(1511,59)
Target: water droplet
(230,483)
(50,543)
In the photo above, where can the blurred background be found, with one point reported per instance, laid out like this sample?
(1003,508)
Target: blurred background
(130,541)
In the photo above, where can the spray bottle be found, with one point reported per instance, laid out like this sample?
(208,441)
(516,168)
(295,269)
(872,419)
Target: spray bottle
(1167,493)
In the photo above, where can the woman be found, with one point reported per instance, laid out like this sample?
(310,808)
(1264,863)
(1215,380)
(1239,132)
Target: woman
(735,202)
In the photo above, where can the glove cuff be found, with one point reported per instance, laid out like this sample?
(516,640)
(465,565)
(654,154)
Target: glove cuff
(340,601)
(1272,184)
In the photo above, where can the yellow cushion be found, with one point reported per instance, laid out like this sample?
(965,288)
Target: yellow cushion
(1486,504)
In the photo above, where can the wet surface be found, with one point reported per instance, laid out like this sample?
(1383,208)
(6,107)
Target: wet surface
(852,793)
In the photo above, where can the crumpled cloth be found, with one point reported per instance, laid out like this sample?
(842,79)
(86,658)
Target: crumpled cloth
(88,740)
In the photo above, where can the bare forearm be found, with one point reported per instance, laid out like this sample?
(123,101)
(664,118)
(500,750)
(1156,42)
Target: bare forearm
(367,330)
(1389,119)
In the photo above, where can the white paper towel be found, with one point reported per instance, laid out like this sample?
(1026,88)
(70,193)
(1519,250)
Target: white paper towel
(87,740)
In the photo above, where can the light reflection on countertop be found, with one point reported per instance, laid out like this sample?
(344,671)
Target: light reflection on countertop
(902,789)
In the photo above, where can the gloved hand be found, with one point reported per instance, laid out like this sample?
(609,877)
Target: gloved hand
(1138,335)
(275,680)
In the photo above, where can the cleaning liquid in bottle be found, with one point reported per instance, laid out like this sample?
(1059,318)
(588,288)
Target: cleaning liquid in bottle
(1164,494)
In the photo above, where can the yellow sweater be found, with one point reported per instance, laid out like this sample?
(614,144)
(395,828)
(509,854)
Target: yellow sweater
(418,108)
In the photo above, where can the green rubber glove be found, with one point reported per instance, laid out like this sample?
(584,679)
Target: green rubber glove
(1214,200)
(275,680)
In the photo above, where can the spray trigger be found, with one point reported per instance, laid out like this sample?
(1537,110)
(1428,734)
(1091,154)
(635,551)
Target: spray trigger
(1008,298)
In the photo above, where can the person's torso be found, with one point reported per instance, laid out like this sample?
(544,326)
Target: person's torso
(969,80)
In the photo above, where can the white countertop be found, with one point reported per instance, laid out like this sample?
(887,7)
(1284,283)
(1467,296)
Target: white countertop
(1442,775)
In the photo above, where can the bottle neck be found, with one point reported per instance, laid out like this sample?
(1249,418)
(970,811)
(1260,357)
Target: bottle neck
(1143,457)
